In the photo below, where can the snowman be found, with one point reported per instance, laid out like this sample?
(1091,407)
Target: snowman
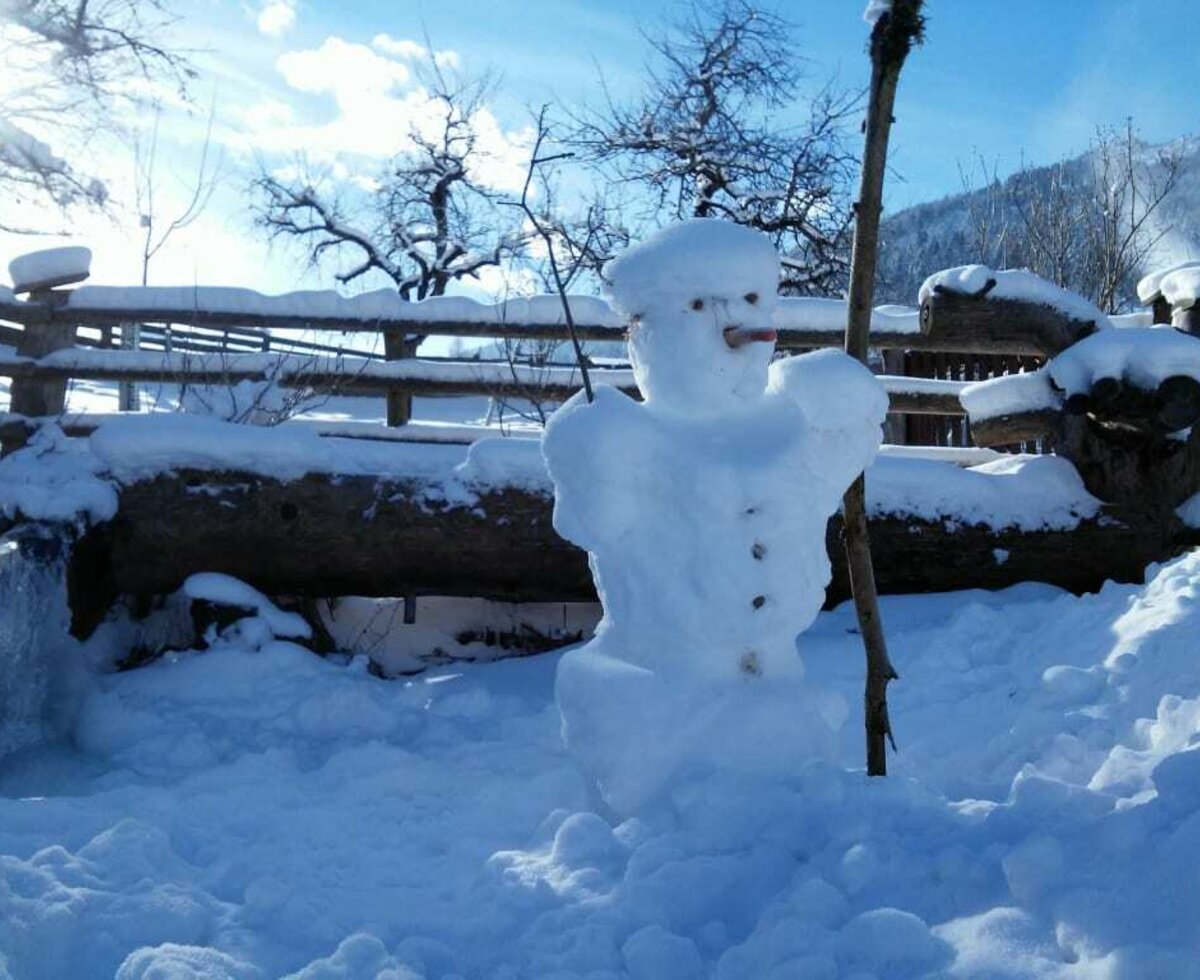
(703,510)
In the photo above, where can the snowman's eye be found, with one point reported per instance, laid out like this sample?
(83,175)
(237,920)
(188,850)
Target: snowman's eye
(751,298)
(697,305)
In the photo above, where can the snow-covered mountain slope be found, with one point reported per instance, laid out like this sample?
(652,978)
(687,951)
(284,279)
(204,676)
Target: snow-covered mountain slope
(941,234)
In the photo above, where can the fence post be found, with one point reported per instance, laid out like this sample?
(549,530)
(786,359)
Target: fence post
(895,427)
(398,347)
(131,339)
(39,397)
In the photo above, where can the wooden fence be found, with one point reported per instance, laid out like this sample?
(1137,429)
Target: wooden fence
(215,337)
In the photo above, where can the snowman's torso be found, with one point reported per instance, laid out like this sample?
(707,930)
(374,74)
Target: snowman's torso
(719,558)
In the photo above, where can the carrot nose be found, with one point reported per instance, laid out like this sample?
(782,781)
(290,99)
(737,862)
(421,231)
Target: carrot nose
(737,337)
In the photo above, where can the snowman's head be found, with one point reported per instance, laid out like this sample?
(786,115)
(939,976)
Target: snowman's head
(700,297)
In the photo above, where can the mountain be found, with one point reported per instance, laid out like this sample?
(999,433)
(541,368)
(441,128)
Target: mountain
(985,224)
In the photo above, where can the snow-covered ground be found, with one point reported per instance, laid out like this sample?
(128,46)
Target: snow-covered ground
(261,812)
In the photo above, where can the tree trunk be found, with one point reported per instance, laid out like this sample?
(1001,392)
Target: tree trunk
(399,347)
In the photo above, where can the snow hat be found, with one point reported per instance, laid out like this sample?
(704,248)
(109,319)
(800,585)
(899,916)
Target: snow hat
(700,257)
(686,286)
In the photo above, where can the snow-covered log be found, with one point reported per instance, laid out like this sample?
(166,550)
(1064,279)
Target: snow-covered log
(978,310)
(328,535)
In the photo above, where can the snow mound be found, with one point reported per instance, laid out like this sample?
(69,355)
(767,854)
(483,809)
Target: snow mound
(1028,493)
(50,267)
(1141,356)
(1015,284)
(54,478)
(225,590)
(1181,288)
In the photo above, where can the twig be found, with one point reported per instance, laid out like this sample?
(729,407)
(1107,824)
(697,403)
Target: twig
(535,161)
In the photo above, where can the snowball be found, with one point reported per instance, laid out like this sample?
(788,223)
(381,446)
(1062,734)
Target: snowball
(171,961)
(875,10)
(50,267)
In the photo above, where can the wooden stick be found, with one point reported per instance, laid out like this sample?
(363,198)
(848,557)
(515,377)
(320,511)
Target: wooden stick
(892,38)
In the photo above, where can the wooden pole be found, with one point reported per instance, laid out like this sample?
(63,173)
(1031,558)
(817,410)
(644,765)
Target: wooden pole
(892,37)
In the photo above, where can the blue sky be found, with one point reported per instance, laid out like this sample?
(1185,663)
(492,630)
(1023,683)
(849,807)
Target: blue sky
(1003,80)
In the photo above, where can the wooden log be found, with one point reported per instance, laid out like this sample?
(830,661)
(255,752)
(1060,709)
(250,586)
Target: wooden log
(977,323)
(1008,430)
(1187,319)
(1134,467)
(290,538)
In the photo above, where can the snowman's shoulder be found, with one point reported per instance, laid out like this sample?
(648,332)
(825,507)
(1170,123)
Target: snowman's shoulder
(832,389)
(610,414)
(583,435)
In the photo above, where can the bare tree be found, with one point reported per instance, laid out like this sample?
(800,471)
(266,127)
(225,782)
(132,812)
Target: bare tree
(74,64)
(157,228)
(1091,226)
(430,222)
(702,140)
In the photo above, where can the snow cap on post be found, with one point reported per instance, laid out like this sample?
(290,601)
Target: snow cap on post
(50,267)
(702,257)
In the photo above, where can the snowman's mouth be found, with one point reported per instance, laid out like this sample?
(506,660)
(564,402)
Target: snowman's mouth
(737,337)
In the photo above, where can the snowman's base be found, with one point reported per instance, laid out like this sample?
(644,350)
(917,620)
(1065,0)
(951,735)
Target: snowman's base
(371,536)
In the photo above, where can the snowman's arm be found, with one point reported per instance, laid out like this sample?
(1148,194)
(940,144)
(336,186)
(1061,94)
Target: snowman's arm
(593,453)
(843,406)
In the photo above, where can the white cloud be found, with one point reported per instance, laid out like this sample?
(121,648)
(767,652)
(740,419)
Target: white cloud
(277,17)
(378,105)
(412,51)
(342,68)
